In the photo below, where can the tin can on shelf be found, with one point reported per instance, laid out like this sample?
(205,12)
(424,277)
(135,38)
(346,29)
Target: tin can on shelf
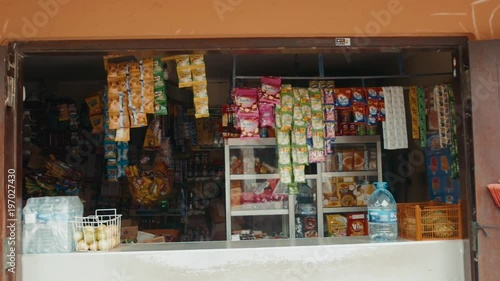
(371,130)
(361,129)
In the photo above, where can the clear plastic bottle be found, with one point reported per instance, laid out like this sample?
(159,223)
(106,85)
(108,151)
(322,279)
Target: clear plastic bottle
(382,214)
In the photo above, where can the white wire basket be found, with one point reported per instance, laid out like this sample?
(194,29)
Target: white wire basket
(99,232)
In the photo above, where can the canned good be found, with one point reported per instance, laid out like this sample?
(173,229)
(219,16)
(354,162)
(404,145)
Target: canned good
(361,129)
(352,129)
(371,130)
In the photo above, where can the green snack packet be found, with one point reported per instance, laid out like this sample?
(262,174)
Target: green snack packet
(160,102)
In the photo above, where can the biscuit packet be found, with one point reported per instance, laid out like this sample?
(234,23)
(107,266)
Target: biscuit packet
(146,68)
(270,89)
(246,97)
(149,99)
(266,114)
(182,60)
(112,70)
(201,107)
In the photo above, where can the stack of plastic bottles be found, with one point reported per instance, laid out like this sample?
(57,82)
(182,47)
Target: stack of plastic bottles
(47,224)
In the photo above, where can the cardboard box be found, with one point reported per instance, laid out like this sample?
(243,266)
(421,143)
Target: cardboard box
(357,225)
(129,233)
(170,235)
(437,159)
(158,239)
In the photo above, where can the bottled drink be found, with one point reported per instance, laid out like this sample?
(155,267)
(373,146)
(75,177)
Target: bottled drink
(382,214)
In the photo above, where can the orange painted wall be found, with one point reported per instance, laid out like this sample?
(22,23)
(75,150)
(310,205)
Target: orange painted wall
(124,19)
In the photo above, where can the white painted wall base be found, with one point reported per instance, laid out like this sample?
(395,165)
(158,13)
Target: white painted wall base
(346,259)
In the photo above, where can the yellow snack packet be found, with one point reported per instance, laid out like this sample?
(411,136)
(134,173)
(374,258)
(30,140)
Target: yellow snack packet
(198,73)
(200,90)
(185,78)
(123,134)
(182,60)
(201,107)
(197,59)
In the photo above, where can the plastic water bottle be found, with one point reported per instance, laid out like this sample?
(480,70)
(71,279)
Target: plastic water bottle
(382,214)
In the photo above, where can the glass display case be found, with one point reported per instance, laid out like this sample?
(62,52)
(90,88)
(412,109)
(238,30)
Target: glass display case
(347,179)
(258,205)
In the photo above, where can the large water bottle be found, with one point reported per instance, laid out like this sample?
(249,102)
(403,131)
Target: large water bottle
(382,214)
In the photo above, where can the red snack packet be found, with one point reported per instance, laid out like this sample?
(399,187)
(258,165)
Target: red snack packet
(358,95)
(249,124)
(359,111)
(343,98)
(328,95)
(266,113)
(246,97)
(270,89)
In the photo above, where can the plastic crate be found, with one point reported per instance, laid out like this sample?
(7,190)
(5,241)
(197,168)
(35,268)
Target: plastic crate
(429,221)
(99,232)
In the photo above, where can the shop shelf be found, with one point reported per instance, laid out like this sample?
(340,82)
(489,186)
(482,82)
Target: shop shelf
(259,212)
(236,143)
(254,177)
(344,210)
(357,139)
(350,174)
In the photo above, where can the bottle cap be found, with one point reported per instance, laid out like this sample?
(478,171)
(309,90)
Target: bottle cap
(380,185)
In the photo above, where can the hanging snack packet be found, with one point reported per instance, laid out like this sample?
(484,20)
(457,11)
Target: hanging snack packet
(182,60)
(372,94)
(329,146)
(329,130)
(286,174)
(300,134)
(381,106)
(343,98)
(185,77)
(277,117)
(270,89)
(246,97)
(122,134)
(196,59)
(317,156)
(318,137)
(249,123)
(373,108)
(300,155)
(199,74)
(284,155)
(297,113)
(299,173)
(149,97)
(309,134)
(112,170)
(359,111)
(317,122)
(161,102)
(97,122)
(283,138)
(305,104)
(153,135)
(112,69)
(94,104)
(329,113)
(147,69)
(328,95)
(201,107)
(200,90)
(316,101)
(286,108)
(109,149)
(358,95)
(266,113)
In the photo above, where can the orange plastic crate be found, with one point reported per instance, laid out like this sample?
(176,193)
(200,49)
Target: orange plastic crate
(429,221)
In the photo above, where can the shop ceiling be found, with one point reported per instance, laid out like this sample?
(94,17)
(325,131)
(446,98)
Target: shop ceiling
(82,60)
(220,66)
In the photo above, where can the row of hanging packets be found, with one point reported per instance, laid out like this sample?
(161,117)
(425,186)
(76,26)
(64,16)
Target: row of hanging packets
(394,126)
(442,105)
